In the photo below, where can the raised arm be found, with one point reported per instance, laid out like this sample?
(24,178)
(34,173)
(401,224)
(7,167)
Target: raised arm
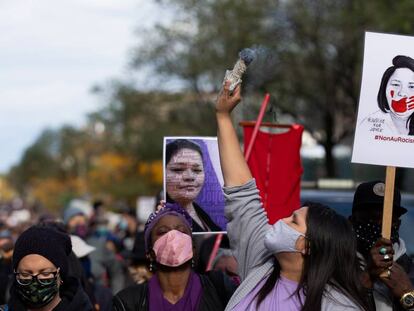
(247,221)
(233,165)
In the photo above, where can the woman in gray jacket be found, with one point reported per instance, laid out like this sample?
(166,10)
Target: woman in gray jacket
(303,262)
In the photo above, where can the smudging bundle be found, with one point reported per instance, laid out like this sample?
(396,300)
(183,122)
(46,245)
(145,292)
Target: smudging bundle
(246,56)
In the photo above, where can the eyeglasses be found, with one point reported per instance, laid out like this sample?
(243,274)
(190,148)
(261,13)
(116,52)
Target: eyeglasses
(43,278)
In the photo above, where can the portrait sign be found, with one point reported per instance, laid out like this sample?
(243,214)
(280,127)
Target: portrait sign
(193,179)
(384,133)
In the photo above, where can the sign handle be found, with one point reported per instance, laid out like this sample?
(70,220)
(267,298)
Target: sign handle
(388,205)
(388,202)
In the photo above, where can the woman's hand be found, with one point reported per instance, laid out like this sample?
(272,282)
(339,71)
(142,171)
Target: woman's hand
(160,205)
(226,101)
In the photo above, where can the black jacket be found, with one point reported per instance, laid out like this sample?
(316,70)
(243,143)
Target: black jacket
(71,292)
(214,297)
(6,280)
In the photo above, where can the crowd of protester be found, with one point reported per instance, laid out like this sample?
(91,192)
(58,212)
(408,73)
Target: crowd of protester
(92,258)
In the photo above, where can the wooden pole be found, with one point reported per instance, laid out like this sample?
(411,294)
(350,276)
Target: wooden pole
(388,202)
(388,205)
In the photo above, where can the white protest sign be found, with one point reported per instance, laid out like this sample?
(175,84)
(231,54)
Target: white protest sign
(145,206)
(384,133)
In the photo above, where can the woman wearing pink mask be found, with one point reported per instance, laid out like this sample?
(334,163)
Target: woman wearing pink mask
(174,286)
(303,262)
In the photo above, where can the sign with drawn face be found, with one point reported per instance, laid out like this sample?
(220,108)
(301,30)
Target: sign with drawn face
(384,133)
(193,179)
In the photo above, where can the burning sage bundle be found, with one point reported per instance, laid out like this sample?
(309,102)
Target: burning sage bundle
(246,56)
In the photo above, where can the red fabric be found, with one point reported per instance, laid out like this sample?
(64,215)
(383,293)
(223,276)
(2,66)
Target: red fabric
(275,164)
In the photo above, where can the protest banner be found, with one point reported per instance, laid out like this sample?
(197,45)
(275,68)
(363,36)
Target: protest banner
(384,133)
(193,178)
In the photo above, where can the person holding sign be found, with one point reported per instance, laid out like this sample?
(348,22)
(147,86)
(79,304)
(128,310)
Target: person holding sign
(393,290)
(303,262)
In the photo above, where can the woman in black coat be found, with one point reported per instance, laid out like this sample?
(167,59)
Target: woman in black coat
(41,282)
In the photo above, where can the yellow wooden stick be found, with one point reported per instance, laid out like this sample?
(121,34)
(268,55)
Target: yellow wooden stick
(388,202)
(388,205)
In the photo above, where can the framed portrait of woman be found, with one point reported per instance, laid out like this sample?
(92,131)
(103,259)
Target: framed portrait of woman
(384,133)
(193,179)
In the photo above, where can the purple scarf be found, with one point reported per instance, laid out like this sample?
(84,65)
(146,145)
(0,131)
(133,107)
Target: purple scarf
(188,302)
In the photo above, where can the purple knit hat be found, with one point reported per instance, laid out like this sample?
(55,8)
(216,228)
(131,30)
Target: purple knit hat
(169,209)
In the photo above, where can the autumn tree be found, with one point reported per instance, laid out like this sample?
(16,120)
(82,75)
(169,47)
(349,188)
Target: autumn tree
(310,53)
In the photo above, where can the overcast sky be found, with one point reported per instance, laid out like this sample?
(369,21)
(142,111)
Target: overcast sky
(51,54)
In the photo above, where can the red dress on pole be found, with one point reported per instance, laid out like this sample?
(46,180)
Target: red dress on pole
(275,164)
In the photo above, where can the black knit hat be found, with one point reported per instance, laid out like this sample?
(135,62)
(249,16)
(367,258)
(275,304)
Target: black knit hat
(370,195)
(47,242)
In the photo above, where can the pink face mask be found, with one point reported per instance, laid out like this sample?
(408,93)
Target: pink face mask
(174,248)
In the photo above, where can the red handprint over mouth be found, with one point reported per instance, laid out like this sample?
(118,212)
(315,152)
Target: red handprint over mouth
(403,104)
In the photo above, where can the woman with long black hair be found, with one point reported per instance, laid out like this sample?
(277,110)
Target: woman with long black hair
(303,262)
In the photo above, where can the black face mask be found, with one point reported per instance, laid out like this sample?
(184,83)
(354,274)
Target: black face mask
(368,232)
(36,295)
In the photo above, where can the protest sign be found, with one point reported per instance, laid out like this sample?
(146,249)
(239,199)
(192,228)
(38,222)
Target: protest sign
(384,133)
(193,178)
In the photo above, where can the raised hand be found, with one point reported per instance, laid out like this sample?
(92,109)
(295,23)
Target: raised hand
(410,103)
(226,100)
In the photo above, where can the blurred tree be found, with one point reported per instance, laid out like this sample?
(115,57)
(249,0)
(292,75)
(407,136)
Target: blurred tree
(204,38)
(6,191)
(320,67)
(117,155)
(54,192)
(137,121)
(310,53)
(38,160)
(309,59)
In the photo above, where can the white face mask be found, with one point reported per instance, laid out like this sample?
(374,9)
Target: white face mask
(282,238)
